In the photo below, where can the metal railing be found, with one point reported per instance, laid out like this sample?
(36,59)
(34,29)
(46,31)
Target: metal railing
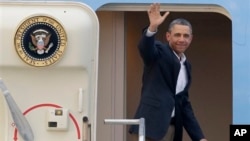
(140,122)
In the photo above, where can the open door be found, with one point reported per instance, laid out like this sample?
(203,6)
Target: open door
(48,61)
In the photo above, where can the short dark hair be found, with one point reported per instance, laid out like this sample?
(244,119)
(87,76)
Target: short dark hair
(180,21)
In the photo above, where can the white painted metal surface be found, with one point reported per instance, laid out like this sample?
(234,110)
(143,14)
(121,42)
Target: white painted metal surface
(38,90)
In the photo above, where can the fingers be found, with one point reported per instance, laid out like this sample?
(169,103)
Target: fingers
(155,16)
(155,8)
(166,14)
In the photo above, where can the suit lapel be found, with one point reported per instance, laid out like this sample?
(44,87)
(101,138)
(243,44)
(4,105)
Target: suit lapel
(188,69)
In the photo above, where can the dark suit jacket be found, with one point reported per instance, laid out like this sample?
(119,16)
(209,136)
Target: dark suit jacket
(158,97)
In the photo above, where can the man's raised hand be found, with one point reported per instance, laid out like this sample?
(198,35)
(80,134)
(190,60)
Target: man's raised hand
(155,17)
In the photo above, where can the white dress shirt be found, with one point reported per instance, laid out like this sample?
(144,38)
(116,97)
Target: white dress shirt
(182,77)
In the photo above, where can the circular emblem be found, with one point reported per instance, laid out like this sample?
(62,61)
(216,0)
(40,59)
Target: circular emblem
(40,41)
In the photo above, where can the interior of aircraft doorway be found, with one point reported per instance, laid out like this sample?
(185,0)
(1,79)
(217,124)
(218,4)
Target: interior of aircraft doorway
(210,54)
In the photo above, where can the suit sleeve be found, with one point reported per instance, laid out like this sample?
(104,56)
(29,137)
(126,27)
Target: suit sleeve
(190,122)
(147,48)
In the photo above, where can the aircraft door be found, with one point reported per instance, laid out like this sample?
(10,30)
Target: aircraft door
(48,61)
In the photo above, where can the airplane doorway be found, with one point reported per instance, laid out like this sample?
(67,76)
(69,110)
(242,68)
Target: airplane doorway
(211,57)
(120,67)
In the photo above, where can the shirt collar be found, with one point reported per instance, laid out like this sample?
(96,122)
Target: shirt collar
(182,58)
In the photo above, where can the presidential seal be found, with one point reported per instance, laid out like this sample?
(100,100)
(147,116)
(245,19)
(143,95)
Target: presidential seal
(40,41)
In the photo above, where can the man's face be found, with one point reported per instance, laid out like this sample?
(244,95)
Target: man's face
(179,38)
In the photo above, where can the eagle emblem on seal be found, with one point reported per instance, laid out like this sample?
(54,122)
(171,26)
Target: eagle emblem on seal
(40,41)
